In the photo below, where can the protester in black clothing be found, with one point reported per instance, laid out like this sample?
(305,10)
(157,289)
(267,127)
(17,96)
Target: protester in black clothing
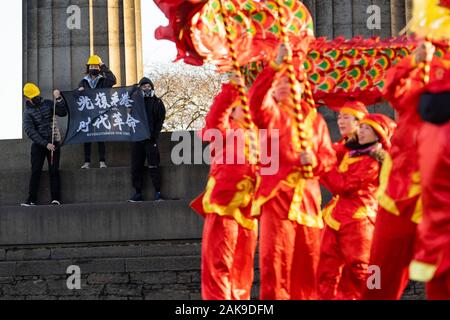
(98,76)
(39,125)
(156,114)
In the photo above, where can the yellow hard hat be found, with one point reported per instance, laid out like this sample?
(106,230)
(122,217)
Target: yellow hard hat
(431,19)
(30,90)
(94,60)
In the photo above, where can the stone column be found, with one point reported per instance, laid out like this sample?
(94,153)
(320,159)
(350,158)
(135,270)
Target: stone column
(398,16)
(55,56)
(342,18)
(360,16)
(129,20)
(324,17)
(80,44)
(409,9)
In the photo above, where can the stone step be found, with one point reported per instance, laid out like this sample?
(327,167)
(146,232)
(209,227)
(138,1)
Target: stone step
(139,249)
(104,185)
(99,222)
(15,154)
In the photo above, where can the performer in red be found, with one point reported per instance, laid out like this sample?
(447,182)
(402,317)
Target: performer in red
(350,216)
(400,192)
(288,204)
(431,263)
(349,116)
(230,233)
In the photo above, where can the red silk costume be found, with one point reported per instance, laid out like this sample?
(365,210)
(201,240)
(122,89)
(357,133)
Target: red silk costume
(399,194)
(230,233)
(434,231)
(288,205)
(432,261)
(350,218)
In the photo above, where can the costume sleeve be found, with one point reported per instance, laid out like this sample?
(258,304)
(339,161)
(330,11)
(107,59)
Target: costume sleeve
(219,114)
(395,76)
(263,107)
(357,176)
(325,153)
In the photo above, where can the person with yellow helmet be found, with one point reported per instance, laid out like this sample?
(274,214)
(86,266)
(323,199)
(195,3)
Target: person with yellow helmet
(39,126)
(98,76)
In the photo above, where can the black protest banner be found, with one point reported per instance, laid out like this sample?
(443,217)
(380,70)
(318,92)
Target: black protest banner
(104,115)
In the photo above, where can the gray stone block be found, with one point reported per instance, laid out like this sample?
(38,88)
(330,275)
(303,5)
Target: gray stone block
(163,264)
(195,296)
(90,223)
(28,254)
(41,298)
(6,280)
(154,277)
(7,269)
(114,298)
(16,155)
(39,268)
(59,288)
(2,254)
(96,252)
(108,278)
(190,249)
(12,298)
(104,185)
(122,290)
(101,266)
(166,295)
(26,288)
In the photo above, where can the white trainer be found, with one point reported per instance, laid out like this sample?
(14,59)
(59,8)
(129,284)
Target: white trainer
(87,165)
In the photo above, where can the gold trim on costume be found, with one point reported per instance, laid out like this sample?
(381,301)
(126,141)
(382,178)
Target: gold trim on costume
(421,271)
(241,198)
(347,161)
(328,217)
(384,200)
(389,204)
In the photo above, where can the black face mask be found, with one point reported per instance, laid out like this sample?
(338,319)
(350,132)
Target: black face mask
(37,101)
(148,93)
(94,72)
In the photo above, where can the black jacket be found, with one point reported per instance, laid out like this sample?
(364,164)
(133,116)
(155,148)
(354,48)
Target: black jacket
(38,120)
(435,108)
(156,115)
(107,81)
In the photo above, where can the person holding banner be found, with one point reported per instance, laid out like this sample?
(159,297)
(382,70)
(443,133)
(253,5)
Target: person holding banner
(98,76)
(156,114)
(39,125)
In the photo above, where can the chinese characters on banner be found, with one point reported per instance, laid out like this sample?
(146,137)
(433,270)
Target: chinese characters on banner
(105,115)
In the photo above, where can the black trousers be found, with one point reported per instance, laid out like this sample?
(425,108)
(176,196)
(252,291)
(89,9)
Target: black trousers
(38,156)
(101,152)
(139,152)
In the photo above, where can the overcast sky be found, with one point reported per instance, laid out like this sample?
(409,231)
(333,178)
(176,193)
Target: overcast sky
(155,51)
(11,82)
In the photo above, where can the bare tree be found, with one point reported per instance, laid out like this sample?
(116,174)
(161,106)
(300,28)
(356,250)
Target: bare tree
(187,93)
